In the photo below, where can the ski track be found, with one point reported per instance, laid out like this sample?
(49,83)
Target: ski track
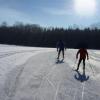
(46,77)
(11,92)
(10,53)
(83,90)
(75,94)
(6,54)
(56,93)
(50,83)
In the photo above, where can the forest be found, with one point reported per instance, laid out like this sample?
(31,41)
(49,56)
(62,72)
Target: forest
(37,36)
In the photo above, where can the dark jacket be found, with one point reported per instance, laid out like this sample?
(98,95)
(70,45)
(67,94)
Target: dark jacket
(60,45)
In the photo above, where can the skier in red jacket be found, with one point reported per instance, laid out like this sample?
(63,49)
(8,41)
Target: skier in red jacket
(83,53)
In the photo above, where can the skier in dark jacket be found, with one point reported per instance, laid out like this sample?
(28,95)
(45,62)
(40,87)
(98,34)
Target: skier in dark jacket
(83,53)
(60,47)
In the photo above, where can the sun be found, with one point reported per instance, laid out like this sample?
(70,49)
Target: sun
(85,7)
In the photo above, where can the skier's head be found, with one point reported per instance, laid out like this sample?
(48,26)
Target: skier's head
(83,45)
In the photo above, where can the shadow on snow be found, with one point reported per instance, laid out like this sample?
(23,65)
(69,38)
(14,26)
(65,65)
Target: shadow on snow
(81,77)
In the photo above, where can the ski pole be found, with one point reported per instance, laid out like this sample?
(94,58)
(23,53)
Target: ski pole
(91,68)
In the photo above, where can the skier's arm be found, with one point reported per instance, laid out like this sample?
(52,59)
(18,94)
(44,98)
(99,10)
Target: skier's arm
(77,54)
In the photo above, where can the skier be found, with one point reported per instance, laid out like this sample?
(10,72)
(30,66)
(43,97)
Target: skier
(83,53)
(60,47)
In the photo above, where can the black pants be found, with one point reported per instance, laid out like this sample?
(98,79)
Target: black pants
(80,62)
(60,52)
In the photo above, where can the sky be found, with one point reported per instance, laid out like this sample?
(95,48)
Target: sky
(51,13)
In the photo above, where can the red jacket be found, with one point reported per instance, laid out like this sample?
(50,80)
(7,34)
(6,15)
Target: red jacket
(83,53)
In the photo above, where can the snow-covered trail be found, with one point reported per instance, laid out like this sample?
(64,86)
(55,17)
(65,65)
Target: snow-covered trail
(39,77)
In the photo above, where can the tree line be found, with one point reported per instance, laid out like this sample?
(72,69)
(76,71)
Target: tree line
(35,35)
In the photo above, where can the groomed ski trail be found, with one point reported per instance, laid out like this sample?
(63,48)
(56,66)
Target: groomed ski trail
(41,78)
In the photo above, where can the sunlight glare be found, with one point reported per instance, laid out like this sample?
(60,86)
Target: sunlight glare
(85,7)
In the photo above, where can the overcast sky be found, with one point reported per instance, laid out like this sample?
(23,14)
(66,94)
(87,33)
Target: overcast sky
(57,13)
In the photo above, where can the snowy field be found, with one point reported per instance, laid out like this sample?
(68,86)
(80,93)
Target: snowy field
(29,73)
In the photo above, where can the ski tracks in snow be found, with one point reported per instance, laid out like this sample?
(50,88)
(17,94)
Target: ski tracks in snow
(83,90)
(56,93)
(11,91)
(12,83)
(6,54)
(13,78)
(46,77)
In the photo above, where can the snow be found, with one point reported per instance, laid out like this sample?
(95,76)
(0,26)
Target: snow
(30,73)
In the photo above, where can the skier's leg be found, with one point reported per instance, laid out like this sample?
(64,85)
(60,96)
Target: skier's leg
(83,65)
(63,53)
(79,64)
(58,54)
